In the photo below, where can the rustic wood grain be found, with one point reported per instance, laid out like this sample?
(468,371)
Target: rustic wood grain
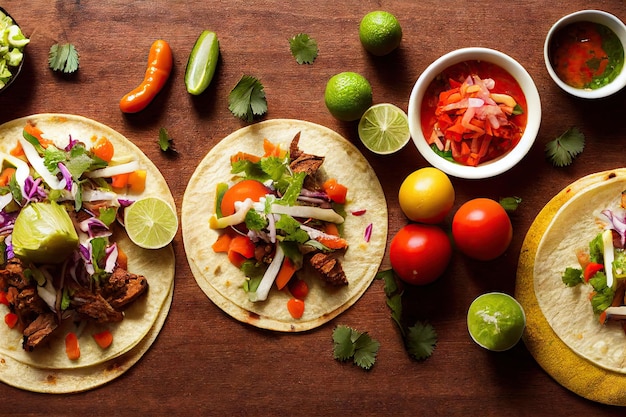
(204,362)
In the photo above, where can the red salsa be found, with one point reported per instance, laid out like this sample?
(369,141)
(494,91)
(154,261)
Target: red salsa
(586,55)
(473,112)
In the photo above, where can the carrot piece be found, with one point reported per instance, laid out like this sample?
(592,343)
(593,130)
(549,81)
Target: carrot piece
(11,320)
(222,243)
(244,156)
(122,258)
(272,149)
(17,150)
(336,192)
(72,350)
(242,245)
(334,242)
(295,307)
(119,181)
(137,180)
(103,338)
(285,273)
(236,258)
(35,132)
(331,229)
(5,176)
(103,149)
(602,317)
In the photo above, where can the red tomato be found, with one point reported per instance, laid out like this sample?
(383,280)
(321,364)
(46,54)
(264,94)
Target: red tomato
(482,229)
(420,253)
(336,192)
(240,191)
(298,288)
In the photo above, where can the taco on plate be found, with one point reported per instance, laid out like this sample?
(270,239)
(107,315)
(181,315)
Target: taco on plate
(579,271)
(304,217)
(70,278)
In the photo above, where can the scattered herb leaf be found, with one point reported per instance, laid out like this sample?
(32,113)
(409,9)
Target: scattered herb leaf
(352,344)
(420,339)
(562,150)
(303,48)
(510,203)
(247,99)
(165,141)
(63,57)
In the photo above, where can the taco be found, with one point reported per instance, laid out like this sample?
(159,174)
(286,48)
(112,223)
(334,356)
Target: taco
(573,299)
(67,265)
(308,158)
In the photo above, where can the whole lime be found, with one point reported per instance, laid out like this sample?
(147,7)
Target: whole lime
(348,95)
(380,32)
(496,321)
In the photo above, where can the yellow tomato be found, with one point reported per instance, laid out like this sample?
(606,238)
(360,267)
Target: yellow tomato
(426,195)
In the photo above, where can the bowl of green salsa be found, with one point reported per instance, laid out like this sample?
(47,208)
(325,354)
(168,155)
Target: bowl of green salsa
(584,54)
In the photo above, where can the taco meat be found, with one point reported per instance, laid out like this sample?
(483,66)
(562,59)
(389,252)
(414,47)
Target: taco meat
(39,330)
(329,268)
(123,287)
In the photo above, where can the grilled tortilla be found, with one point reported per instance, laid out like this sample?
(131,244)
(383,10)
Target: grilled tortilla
(222,282)
(142,319)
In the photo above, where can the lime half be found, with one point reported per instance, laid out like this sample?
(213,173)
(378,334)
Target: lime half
(384,128)
(151,223)
(202,62)
(496,321)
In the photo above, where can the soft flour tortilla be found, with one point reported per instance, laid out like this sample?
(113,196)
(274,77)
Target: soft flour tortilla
(157,266)
(559,319)
(221,281)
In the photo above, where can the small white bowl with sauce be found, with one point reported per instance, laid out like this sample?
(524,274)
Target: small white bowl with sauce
(568,48)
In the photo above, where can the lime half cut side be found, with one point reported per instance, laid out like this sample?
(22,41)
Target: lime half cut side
(384,128)
(151,223)
(496,321)
(202,63)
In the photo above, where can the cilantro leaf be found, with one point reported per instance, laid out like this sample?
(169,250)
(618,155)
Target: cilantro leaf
(421,340)
(562,150)
(572,276)
(165,141)
(247,99)
(303,48)
(510,203)
(352,344)
(63,57)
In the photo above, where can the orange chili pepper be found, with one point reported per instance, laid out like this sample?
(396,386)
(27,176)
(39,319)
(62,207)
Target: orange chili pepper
(159,68)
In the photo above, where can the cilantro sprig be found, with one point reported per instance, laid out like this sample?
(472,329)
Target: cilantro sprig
(562,150)
(63,57)
(303,48)
(165,141)
(421,338)
(351,344)
(247,99)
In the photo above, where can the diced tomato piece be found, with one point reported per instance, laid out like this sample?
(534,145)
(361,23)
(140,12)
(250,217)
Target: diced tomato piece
(336,192)
(299,289)
(295,307)
(103,338)
(222,243)
(72,350)
(591,269)
(11,320)
(3,298)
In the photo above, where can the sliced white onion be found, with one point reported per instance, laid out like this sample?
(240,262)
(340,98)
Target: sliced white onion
(113,170)
(269,277)
(38,165)
(311,212)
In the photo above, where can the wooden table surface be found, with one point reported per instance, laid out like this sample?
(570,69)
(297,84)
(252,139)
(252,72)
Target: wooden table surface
(206,363)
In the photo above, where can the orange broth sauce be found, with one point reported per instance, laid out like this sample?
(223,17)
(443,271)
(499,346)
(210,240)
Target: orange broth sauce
(504,84)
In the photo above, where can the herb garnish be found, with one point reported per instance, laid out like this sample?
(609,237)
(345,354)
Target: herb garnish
(352,344)
(247,99)
(562,150)
(420,339)
(165,141)
(303,48)
(63,57)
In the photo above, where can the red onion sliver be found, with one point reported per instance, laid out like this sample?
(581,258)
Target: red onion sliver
(368,232)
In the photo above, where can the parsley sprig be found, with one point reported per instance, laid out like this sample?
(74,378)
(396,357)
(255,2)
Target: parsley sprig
(421,338)
(353,344)
(303,48)
(562,150)
(63,57)
(247,99)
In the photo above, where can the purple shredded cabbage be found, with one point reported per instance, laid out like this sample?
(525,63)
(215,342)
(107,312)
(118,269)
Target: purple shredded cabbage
(34,190)
(368,232)
(71,144)
(111,253)
(94,227)
(618,224)
(67,176)
(9,250)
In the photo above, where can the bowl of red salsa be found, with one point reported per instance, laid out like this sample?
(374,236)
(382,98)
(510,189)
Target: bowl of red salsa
(474,113)
(584,54)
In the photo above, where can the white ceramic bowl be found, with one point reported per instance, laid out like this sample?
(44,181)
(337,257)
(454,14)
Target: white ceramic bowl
(595,16)
(495,166)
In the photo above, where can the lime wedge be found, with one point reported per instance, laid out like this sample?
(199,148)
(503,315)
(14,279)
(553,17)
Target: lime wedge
(384,128)
(202,62)
(151,223)
(496,321)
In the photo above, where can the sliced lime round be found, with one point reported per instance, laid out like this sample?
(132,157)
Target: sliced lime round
(202,62)
(384,128)
(151,223)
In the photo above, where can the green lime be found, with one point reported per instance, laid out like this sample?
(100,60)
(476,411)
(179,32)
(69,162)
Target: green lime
(348,95)
(384,128)
(202,62)
(496,321)
(380,32)
(151,223)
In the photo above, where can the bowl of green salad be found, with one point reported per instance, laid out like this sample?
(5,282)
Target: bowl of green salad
(12,44)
